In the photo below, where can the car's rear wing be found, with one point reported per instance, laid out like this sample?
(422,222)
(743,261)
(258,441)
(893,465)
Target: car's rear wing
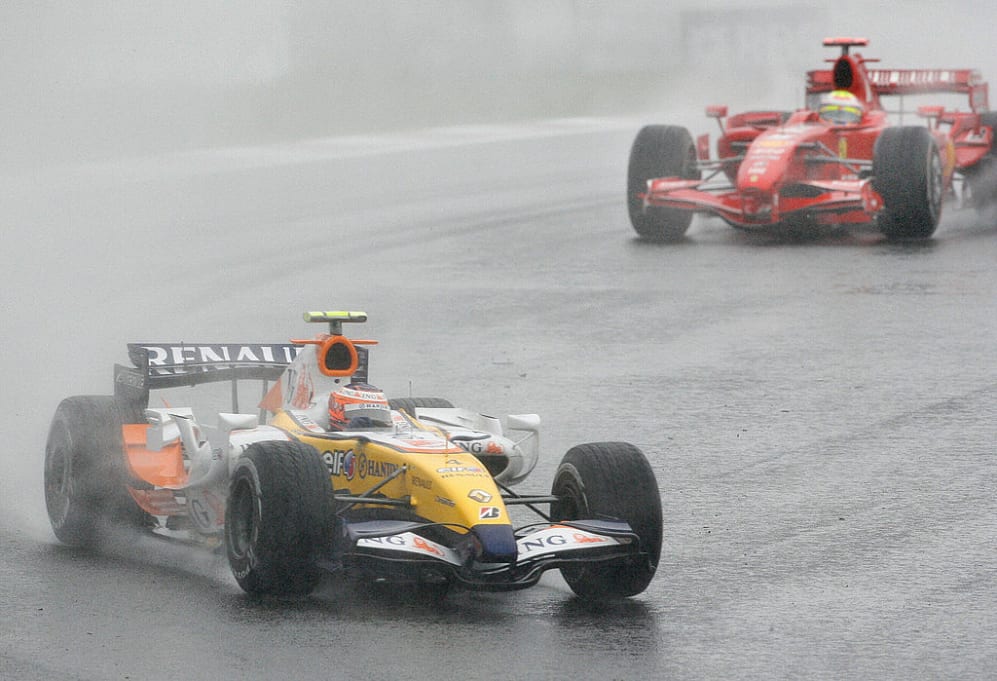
(899,82)
(172,365)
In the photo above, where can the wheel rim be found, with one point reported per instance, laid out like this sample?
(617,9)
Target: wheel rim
(570,497)
(242,523)
(935,185)
(59,488)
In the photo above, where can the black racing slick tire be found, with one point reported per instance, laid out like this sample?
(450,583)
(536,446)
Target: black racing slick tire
(86,476)
(907,173)
(410,404)
(279,518)
(610,480)
(659,151)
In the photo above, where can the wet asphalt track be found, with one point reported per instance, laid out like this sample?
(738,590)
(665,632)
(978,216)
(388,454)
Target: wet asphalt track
(820,413)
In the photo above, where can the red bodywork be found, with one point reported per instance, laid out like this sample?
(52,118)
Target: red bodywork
(774,167)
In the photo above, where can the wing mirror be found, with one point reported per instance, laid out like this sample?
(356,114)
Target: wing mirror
(716,111)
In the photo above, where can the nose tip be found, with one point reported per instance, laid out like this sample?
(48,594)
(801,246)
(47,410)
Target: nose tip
(496,543)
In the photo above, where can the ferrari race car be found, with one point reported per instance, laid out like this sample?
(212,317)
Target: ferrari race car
(410,489)
(839,161)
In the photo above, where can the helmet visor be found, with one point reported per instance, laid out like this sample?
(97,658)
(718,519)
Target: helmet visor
(367,415)
(841,114)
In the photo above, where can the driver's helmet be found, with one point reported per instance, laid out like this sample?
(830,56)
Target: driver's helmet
(841,108)
(358,406)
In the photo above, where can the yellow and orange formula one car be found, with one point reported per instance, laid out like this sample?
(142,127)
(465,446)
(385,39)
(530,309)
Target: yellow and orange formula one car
(331,476)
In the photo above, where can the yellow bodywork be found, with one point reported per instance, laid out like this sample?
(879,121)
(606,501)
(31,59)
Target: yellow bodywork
(442,483)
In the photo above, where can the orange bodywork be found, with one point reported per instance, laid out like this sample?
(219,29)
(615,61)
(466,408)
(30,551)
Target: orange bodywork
(163,468)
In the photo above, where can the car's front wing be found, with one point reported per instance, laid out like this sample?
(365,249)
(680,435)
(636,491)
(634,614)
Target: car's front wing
(401,551)
(827,202)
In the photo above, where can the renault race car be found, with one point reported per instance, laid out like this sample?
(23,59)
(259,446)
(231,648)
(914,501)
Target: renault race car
(422,495)
(793,169)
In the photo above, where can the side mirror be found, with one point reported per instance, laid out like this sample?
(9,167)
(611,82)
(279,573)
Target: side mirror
(716,111)
(523,422)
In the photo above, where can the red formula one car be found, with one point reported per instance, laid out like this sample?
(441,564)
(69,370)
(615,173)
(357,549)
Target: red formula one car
(839,161)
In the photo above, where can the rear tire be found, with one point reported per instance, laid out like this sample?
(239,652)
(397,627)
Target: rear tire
(907,173)
(659,151)
(610,480)
(279,518)
(86,476)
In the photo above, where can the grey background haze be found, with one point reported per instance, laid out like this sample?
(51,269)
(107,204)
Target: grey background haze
(819,414)
(103,78)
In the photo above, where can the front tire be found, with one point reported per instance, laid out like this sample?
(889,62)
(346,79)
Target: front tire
(279,518)
(610,480)
(907,173)
(659,151)
(86,476)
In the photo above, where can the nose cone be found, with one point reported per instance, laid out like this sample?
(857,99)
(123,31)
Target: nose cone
(497,543)
(765,164)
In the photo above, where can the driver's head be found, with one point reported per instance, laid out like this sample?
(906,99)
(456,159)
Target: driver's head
(841,108)
(358,406)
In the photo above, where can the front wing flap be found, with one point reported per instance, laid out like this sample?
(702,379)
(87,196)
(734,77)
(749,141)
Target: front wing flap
(400,550)
(838,200)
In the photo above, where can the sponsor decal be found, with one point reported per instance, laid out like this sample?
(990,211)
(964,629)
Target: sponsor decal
(421,442)
(306,421)
(901,77)
(559,538)
(368,395)
(489,512)
(488,446)
(768,152)
(411,543)
(423,545)
(842,147)
(374,468)
(422,482)
(341,463)
(479,495)
(351,465)
(174,358)
(461,472)
(585,538)
(541,543)
(301,389)
(459,469)
(446,502)
(206,510)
